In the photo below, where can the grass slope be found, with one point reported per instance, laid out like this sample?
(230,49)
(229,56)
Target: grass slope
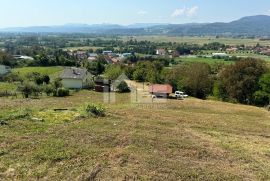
(4,86)
(177,140)
(42,70)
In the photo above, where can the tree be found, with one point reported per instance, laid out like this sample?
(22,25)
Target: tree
(113,72)
(96,68)
(241,80)
(148,71)
(195,79)
(46,79)
(29,88)
(123,87)
(57,83)
(262,96)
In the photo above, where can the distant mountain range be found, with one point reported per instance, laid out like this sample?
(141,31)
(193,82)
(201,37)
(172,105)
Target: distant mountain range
(247,26)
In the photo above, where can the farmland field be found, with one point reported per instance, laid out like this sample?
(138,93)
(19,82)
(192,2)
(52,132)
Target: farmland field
(83,48)
(177,140)
(209,61)
(197,40)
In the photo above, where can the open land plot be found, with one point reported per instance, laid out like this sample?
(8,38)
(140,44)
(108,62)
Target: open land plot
(197,40)
(177,140)
(51,71)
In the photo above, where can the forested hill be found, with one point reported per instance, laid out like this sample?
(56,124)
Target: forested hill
(249,26)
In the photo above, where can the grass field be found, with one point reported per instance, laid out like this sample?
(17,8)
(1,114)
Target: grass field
(197,40)
(7,86)
(177,140)
(209,61)
(51,71)
(83,48)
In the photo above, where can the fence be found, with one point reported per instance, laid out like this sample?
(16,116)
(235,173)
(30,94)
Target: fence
(7,93)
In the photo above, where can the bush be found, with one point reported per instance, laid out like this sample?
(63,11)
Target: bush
(61,92)
(95,110)
(29,88)
(90,85)
(13,77)
(57,83)
(123,87)
(261,98)
(48,89)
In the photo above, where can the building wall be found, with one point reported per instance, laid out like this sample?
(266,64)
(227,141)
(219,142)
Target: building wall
(3,70)
(72,83)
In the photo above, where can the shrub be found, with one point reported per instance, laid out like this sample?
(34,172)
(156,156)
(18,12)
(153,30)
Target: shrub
(61,92)
(13,77)
(29,88)
(48,89)
(261,98)
(123,87)
(90,85)
(46,79)
(57,83)
(95,110)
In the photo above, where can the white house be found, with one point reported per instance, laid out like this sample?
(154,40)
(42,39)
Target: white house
(4,70)
(220,54)
(76,78)
(107,52)
(161,52)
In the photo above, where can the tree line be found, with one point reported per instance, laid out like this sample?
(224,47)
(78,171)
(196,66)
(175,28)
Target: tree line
(247,81)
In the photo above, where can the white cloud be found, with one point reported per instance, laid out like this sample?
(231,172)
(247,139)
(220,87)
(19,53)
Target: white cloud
(178,12)
(189,12)
(142,13)
(267,12)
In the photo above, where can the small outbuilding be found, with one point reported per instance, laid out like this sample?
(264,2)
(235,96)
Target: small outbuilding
(161,90)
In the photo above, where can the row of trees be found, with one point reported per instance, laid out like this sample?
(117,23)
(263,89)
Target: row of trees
(247,81)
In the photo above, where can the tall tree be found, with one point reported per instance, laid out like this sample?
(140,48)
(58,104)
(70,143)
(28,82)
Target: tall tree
(241,79)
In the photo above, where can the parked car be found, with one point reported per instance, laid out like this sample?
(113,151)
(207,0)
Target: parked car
(180,95)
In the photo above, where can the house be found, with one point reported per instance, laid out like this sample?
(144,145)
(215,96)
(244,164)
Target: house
(23,57)
(161,90)
(92,57)
(116,60)
(220,55)
(265,52)
(125,55)
(161,52)
(107,52)
(232,50)
(4,70)
(80,55)
(108,59)
(76,78)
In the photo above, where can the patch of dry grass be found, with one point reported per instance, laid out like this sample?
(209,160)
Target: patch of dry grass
(178,140)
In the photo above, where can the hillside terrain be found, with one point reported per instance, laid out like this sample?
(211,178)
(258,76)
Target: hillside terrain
(246,26)
(177,140)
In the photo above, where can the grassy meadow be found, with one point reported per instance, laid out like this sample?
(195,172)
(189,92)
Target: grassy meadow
(178,140)
(4,86)
(42,70)
(209,61)
(197,40)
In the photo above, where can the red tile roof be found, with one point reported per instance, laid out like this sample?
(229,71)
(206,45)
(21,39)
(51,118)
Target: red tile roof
(161,88)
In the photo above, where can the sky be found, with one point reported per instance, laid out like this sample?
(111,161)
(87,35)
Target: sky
(20,13)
